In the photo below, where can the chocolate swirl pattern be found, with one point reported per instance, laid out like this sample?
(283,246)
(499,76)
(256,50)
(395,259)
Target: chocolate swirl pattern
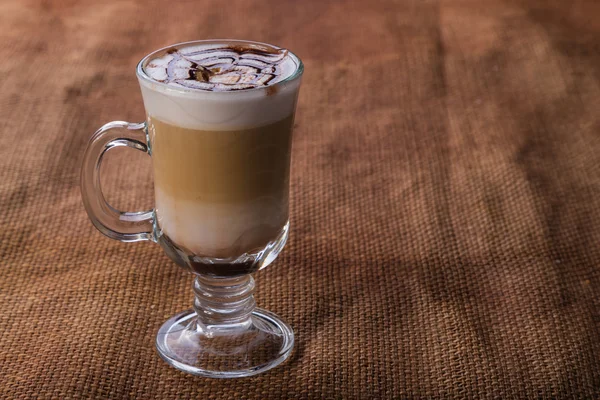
(221,67)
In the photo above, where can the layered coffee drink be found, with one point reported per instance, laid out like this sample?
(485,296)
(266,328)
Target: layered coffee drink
(220,120)
(219,130)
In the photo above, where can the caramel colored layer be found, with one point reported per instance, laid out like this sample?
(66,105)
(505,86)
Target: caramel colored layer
(221,166)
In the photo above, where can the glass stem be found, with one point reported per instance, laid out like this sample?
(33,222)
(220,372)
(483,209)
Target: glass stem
(223,304)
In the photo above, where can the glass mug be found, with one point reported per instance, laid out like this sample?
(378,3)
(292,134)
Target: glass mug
(221,163)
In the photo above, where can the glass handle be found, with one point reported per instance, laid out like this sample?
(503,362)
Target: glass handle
(119,225)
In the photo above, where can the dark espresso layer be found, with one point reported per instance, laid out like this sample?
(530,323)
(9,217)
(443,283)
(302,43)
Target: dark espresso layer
(221,67)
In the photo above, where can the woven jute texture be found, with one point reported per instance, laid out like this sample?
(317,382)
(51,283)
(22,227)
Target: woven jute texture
(445,201)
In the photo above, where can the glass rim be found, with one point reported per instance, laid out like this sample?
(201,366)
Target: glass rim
(144,76)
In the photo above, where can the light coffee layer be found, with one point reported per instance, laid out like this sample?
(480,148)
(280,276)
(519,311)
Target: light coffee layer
(221,193)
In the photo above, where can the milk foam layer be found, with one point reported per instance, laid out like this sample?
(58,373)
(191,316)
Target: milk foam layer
(221,110)
(226,67)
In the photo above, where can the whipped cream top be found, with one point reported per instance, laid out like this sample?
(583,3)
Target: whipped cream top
(221,67)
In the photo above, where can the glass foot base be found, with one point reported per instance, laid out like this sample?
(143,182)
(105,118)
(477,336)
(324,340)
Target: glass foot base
(237,351)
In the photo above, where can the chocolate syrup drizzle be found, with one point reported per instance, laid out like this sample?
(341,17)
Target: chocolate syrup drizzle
(220,69)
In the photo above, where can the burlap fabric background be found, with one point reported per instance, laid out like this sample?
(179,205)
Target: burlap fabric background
(446,201)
